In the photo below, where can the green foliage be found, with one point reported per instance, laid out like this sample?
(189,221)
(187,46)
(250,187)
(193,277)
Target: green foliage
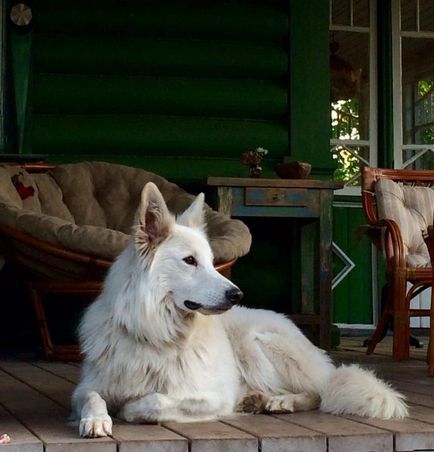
(345,119)
(345,125)
(425,93)
(424,86)
(419,121)
(348,166)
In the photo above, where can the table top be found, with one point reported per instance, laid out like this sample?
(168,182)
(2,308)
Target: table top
(282,183)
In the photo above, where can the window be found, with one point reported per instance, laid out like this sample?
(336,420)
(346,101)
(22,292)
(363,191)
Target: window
(413,38)
(353,80)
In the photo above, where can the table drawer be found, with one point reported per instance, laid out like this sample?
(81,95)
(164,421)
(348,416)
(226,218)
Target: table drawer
(286,197)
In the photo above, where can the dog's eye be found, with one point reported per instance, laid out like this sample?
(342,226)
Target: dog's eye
(190,260)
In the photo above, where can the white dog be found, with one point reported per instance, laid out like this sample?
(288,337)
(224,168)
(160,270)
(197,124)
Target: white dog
(156,351)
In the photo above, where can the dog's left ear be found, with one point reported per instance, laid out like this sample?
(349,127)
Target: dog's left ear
(154,220)
(194,216)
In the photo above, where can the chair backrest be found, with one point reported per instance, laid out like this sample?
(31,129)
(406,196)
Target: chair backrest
(99,198)
(407,198)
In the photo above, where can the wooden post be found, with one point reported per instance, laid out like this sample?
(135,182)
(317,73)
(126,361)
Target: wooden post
(429,240)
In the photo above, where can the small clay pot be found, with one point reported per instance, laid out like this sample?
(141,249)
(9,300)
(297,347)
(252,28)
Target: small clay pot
(293,170)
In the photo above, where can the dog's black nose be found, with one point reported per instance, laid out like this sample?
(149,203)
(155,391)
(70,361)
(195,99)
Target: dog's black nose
(234,295)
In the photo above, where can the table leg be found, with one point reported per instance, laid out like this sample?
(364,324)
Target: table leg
(308,261)
(325,267)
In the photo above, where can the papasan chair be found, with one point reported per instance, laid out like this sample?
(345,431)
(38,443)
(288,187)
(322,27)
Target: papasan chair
(62,226)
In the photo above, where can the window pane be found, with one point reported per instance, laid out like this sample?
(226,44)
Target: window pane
(418,90)
(350,159)
(341,12)
(408,15)
(427,15)
(361,13)
(349,79)
(421,159)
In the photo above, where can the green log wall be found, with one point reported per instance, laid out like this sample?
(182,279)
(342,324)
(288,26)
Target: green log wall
(182,88)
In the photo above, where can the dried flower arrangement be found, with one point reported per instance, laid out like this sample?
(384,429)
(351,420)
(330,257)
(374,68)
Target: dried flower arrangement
(253,160)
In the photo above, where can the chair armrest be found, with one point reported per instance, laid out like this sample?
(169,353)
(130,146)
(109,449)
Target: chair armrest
(392,243)
(369,206)
(429,240)
(10,233)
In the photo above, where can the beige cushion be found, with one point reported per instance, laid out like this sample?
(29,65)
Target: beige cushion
(89,207)
(412,208)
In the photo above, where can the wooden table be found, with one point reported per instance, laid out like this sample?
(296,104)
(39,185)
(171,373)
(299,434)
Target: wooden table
(296,199)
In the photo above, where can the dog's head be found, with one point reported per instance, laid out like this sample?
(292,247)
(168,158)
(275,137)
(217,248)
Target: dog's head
(178,256)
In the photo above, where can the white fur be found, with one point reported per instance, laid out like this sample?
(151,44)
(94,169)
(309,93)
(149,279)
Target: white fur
(149,357)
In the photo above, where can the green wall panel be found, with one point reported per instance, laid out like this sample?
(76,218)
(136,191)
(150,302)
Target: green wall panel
(132,55)
(151,135)
(309,119)
(20,63)
(352,298)
(55,93)
(237,19)
(160,79)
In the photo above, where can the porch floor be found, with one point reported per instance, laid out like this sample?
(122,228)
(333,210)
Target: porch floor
(34,406)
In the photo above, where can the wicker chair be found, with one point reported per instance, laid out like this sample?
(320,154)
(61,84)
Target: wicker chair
(398,205)
(62,226)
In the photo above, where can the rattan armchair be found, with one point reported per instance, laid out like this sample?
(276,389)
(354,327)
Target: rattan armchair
(390,238)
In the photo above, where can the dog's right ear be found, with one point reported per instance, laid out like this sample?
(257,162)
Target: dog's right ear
(154,220)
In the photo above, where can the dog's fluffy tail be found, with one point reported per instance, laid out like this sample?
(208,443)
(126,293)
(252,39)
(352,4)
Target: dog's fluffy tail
(353,390)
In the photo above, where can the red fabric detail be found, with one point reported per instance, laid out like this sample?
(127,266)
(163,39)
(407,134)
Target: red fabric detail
(24,192)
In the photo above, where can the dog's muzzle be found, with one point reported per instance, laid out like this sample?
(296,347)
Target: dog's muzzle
(232,297)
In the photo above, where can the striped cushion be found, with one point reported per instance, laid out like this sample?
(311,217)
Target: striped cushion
(412,208)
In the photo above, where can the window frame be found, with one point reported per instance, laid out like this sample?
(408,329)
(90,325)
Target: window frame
(372,143)
(398,139)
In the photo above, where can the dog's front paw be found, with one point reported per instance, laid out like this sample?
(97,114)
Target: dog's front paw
(147,410)
(138,414)
(281,404)
(254,402)
(290,403)
(96,426)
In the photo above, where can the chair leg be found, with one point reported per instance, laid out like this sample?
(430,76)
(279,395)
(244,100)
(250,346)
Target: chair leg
(401,319)
(379,334)
(415,342)
(430,352)
(430,357)
(383,323)
(44,332)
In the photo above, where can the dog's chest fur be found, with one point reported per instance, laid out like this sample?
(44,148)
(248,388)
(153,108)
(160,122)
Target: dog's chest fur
(201,362)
